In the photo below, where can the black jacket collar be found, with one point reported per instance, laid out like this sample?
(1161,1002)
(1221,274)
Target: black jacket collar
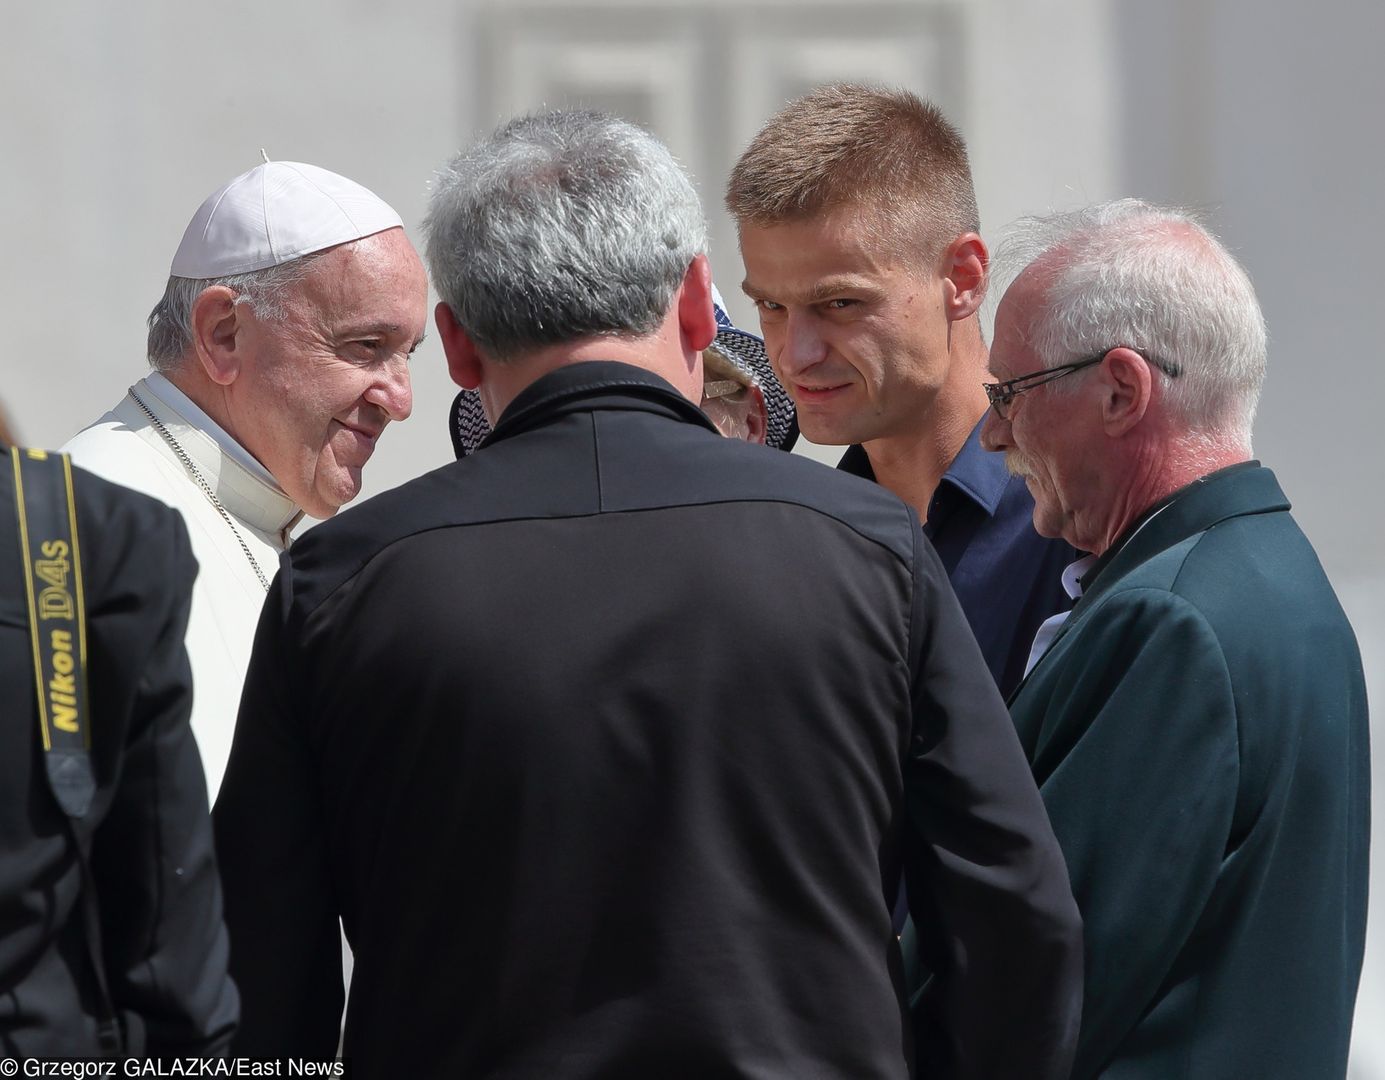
(596,384)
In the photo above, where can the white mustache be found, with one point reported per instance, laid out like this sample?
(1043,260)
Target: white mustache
(1016,465)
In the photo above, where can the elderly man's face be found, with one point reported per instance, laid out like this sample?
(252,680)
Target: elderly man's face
(1051,439)
(324,380)
(857,335)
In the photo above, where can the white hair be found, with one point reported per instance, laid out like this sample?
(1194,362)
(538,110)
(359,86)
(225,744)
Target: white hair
(170,323)
(558,226)
(1153,279)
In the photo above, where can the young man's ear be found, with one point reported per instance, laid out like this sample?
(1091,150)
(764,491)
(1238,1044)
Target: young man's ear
(696,317)
(965,266)
(1128,387)
(218,333)
(463,361)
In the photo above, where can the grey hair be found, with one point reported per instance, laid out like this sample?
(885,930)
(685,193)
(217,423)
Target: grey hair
(558,226)
(170,323)
(1156,280)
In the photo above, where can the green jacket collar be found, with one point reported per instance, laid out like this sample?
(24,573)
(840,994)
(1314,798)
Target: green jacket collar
(1236,491)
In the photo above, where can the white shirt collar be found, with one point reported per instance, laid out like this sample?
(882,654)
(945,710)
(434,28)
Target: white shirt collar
(245,487)
(1072,585)
(1072,575)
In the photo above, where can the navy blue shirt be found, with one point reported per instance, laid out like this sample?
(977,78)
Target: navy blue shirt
(1007,577)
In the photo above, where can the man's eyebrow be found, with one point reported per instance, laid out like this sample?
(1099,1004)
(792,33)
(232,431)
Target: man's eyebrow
(826,289)
(835,286)
(378,329)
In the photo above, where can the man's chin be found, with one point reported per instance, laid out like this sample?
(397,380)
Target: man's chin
(325,503)
(1047,523)
(815,430)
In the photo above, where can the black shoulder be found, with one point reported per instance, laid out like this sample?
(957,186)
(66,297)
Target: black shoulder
(333,551)
(727,470)
(118,529)
(528,478)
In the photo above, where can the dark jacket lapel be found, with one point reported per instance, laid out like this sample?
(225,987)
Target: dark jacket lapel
(1247,488)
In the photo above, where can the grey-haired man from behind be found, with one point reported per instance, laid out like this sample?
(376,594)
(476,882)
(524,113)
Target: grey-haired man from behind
(607,742)
(280,353)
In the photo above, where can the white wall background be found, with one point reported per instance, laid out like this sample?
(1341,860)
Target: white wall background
(118,119)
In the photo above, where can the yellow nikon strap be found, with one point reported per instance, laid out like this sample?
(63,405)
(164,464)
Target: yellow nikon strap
(57,622)
(58,630)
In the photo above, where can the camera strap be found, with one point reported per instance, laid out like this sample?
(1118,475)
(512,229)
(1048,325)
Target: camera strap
(57,630)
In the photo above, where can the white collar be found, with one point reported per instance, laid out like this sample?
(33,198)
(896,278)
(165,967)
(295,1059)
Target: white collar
(1048,630)
(1072,575)
(245,487)
(1072,585)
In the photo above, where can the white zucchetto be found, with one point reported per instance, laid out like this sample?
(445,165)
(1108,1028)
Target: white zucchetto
(275,213)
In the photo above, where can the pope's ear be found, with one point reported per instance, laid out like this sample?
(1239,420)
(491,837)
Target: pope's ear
(965,266)
(218,332)
(463,359)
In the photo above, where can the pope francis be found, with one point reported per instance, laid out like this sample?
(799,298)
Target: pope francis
(279,352)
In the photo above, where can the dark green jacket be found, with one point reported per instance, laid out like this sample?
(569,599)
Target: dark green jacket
(1199,734)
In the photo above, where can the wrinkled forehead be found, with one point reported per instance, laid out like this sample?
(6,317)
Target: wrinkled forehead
(383,254)
(380,273)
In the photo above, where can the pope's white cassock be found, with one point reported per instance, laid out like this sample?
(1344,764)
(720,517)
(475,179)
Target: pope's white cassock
(237,555)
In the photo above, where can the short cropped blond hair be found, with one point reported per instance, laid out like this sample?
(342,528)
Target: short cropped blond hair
(848,145)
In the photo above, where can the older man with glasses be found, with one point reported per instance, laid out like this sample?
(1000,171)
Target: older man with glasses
(1198,723)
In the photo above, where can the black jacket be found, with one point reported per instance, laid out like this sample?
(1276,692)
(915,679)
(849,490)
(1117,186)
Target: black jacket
(165,944)
(607,743)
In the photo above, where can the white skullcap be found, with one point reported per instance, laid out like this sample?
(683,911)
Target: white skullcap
(273,214)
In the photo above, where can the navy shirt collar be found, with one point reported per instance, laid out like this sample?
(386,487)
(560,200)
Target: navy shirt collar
(977,473)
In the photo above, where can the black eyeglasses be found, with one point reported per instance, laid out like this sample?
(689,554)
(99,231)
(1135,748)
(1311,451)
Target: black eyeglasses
(1001,394)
